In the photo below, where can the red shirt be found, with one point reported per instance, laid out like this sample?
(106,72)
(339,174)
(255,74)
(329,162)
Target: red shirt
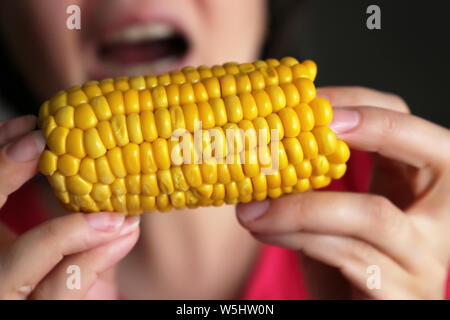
(277,273)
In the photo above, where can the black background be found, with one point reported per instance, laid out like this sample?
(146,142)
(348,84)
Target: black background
(409,56)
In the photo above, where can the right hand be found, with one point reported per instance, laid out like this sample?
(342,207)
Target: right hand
(34,264)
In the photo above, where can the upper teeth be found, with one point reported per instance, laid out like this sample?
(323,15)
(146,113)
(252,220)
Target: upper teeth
(138,33)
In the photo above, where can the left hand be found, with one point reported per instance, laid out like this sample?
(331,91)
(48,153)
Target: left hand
(402,226)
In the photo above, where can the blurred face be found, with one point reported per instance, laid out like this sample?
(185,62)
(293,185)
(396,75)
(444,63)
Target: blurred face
(127,37)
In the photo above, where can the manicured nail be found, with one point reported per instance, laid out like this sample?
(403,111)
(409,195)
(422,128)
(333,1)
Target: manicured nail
(130,225)
(252,210)
(105,221)
(26,148)
(344,120)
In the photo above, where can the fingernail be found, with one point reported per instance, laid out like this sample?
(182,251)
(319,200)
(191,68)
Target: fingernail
(130,225)
(344,120)
(252,210)
(105,221)
(26,148)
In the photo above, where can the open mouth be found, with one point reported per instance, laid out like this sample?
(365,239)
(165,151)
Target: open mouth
(141,49)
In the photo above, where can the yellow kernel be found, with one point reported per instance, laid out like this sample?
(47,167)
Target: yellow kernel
(106,134)
(151,81)
(259,196)
(284,73)
(193,174)
(101,108)
(87,170)
(161,153)
(163,203)
(302,185)
(270,76)
(145,100)
(164,79)
(274,193)
(58,182)
(149,185)
(234,139)
(133,183)
(257,80)
(274,180)
(309,145)
(243,84)
(300,71)
(179,181)
(56,141)
(218,71)
(306,116)
(278,153)
(320,165)
(289,61)
(251,165)
(263,103)
(231,191)
(115,101)
(163,123)
(323,113)
(227,85)
(320,181)
(218,191)
(121,83)
(234,108)
(85,117)
(304,169)
(49,126)
(75,97)
(312,68)
(44,112)
(117,162)
(294,150)
(306,89)
(277,97)
(191,74)
(249,132)
(291,122)
(336,171)
(148,163)
(59,100)
(200,92)
(107,85)
(341,154)
(137,83)
(173,94)
(103,170)
(77,185)
(191,116)
(165,182)
(204,71)
(249,107)
(119,128)
(148,126)
(275,124)
(48,163)
(272,62)
(259,183)
(159,97)
(118,187)
(119,203)
(223,173)
(64,117)
(212,86)
(245,187)
(288,176)
(100,192)
(148,203)
(178,199)
(186,93)
(262,130)
(177,77)
(93,143)
(131,99)
(219,110)
(68,165)
(291,94)
(75,143)
(132,158)
(326,140)
(84,202)
(206,115)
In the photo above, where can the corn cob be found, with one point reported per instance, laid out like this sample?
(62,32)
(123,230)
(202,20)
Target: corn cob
(111,146)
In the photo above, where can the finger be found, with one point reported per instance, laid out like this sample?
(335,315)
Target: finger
(394,135)
(367,217)
(361,96)
(90,265)
(28,259)
(14,128)
(18,162)
(353,258)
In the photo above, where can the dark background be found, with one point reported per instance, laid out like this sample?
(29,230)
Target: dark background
(409,56)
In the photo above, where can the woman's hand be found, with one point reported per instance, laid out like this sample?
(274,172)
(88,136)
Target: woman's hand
(35,264)
(402,226)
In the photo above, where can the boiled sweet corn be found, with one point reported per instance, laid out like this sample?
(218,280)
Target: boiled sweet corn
(192,137)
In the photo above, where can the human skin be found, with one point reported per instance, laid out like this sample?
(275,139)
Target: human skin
(403,230)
